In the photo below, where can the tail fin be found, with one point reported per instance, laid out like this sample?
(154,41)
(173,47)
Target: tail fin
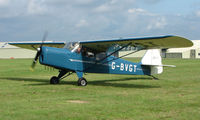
(153,59)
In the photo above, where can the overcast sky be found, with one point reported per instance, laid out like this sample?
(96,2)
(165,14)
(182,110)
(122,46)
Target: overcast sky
(76,20)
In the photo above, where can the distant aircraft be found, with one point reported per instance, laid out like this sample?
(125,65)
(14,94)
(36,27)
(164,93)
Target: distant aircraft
(97,56)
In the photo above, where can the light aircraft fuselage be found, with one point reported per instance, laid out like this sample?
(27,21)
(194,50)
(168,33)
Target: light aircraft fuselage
(61,58)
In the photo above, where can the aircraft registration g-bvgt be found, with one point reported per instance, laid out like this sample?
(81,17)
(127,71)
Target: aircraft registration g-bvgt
(97,56)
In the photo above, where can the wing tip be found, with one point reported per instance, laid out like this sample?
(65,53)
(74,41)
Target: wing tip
(184,41)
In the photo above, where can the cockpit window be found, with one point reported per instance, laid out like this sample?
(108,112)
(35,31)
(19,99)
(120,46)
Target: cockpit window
(76,47)
(73,46)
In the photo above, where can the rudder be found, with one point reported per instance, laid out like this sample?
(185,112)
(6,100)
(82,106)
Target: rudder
(153,59)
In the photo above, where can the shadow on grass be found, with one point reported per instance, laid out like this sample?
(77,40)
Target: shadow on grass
(115,83)
(105,82)
(25,79)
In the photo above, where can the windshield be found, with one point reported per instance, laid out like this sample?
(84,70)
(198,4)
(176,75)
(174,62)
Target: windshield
(71,46)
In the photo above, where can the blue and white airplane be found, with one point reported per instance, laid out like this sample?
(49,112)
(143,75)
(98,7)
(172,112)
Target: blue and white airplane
(97,56)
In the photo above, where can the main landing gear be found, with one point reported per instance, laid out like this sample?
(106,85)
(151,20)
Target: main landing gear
(55,80)
(82,82)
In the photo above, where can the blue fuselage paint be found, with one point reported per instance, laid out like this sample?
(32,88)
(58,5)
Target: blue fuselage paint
(64,59)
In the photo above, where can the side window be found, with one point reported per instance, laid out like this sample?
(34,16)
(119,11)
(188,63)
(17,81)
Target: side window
(100,56)
(87,53)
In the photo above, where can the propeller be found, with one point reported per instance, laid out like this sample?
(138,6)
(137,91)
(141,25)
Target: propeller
(39,50)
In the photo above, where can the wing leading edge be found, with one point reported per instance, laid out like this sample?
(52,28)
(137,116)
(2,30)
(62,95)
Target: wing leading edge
(146,43)
(34,45)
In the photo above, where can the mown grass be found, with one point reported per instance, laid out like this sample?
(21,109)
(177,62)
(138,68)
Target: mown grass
(28,95)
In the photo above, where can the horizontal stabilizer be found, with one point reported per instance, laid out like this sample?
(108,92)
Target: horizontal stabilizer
(168,65)
(160,65)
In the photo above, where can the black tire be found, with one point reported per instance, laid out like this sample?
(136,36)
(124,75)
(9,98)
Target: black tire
(82,82)
(54,80)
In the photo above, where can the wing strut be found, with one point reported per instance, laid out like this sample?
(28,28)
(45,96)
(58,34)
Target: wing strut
(114,52)
(123,56)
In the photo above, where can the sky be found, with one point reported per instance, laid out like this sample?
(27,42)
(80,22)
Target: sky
(77,20)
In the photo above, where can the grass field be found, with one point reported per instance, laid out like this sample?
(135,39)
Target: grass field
(26,95)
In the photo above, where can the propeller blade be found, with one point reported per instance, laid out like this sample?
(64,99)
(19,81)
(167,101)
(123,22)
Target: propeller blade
(35,59)
(39,50)
(44,38)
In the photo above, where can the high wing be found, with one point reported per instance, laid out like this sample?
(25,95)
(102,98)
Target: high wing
(103,45)
(144,43)
(35,45)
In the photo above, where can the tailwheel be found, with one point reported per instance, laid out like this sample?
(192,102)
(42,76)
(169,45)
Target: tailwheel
(54,80)
(154,78)
(82,82)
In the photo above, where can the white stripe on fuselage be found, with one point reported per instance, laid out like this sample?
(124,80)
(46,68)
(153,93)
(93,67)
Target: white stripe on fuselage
(91,62)
(74,60)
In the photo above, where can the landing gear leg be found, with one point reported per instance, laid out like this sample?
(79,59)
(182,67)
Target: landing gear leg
(56,80)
